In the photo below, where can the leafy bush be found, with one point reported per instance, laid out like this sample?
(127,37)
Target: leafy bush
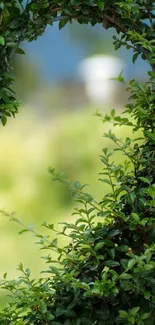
(106,273)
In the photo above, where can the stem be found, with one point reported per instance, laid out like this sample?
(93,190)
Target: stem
(112,185)
(12,218)
(87,214)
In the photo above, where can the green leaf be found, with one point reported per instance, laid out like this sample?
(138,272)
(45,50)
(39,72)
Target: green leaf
(100,4)
(4,275)
(111,252)
(62,23)
(123,248)
(123,314)
(119,78)
(85,321)
(149,135)
(134,311)
(145,316)
(28,272)
(151,74)
(134,58)
(104,180)
(77,185)
(151,280)
(69,313)
(15,24)
(147,294)
(50,316)
(99,245)
(3,120)
(2,40)
(135,216)
(131,197)
(54,270)
(109,242)
(114,232)
(125,276)
(11,44)
(44,4)
(111,263)
(131,320)
(105,214)
(151,191)
(75,2)
(131,263)
(34,6)
(104,160)
(144,179)
(19,51)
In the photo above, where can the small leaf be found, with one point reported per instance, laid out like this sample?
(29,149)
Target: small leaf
(101,4)
(123,314)
(125,276)
(131,263)
(104,160)
(54,270)
(145,316)
(4,275)
(2,40)
(111,263)
(114,232)
(3,120)
(62,23)
(34,6)
(27,271)
(147,294)
(111,252)
(134,58)
(144,179)
(77,185)
(99,245)
(112,113)
(22,231)
(19,51)
(104,180)
(105,214)
(134,311)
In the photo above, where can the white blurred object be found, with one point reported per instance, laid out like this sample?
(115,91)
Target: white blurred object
(96,72)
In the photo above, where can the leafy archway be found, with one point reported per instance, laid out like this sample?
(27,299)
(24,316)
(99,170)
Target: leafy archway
(26,20)
(106,274)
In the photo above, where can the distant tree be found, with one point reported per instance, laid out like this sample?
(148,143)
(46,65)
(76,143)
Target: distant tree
(27,77)
(95,40)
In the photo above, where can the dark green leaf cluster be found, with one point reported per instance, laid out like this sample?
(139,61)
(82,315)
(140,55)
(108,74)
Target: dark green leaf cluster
(26,20)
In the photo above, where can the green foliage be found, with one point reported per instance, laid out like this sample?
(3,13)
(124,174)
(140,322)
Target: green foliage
(105,275)
(26,20)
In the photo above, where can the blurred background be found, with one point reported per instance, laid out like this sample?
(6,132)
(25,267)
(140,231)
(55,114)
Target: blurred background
(62,80)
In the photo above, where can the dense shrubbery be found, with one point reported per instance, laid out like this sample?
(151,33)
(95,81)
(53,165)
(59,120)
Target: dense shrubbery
(106,272)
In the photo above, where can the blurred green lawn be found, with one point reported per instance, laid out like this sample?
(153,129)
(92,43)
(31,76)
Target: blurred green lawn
(70,142)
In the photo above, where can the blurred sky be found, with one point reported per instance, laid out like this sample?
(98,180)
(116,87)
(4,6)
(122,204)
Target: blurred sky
(58,52)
